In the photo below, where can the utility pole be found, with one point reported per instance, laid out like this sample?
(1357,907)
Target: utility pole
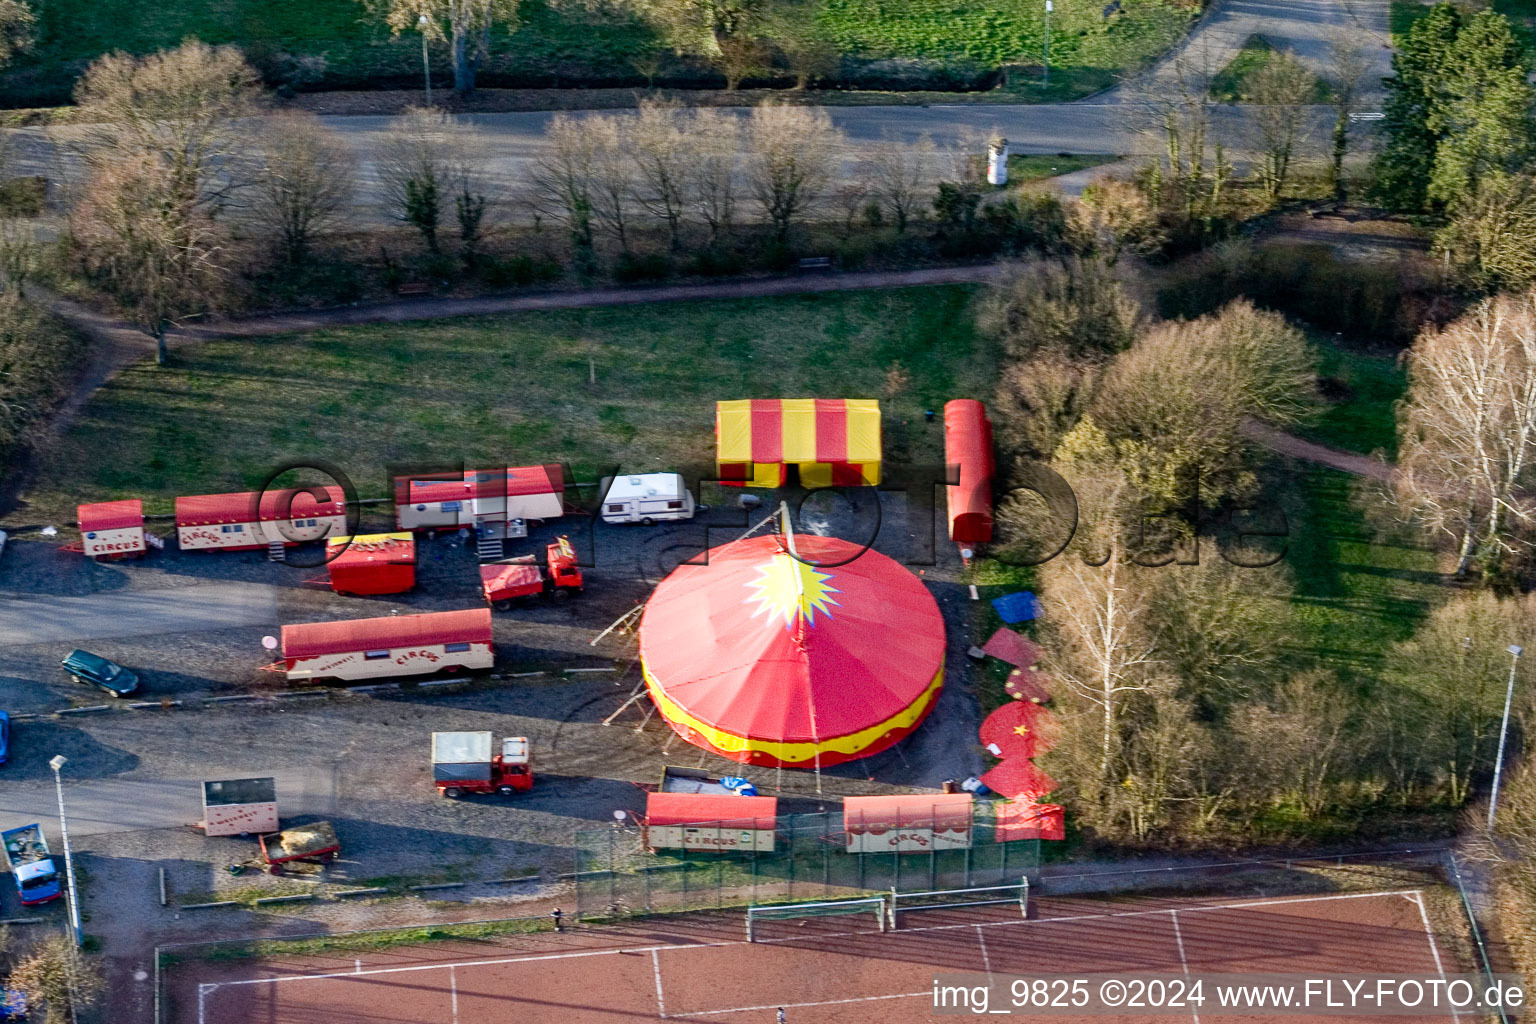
(59,760)
(1046,78)
(426,67)
(1498,763)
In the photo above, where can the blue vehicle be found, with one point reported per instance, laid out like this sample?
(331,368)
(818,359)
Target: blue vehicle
(13,1005)
(5,736)
(32,867)
(85,667)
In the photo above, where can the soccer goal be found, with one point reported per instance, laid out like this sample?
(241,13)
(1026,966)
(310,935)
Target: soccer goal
(756,916)
(951,899)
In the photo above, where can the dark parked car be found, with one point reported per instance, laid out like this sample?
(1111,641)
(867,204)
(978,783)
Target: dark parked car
(5,742)
(85,667)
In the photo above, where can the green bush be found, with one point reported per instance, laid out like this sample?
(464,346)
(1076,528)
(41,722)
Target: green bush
(23,197)
(38,359)
(1388,301)
(632,267)
(519,271)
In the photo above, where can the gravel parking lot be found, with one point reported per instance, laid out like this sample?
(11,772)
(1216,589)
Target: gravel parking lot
(360,760)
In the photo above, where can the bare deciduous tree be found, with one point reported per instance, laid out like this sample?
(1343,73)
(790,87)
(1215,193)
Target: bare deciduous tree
(158,256)
(792,154)
(564,178)
(183,107)
(902,176)
(465,24)
(306,182)
(1467,427)
(1073,307)
(1282,88)
(662,152)
(1348,66)
(1114,217)
(613,174)
(714,182)
(1299,745)
(427,160)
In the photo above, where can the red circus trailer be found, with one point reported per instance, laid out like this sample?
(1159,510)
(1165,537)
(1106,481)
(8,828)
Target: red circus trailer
(376,563)
(233,522)
(482,499)
(112,529)
(968,449)
(394,645)
(710,821)
(909,823)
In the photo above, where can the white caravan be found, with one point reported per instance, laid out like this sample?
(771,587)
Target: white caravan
(648,498)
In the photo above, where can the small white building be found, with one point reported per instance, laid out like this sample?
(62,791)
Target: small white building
(484,499)
(112,529)
(392,645)
(252,519)
(647,498)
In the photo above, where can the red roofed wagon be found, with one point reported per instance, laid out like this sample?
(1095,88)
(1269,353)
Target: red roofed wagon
(915,823)
(241,522)
(394,645)
(112,529)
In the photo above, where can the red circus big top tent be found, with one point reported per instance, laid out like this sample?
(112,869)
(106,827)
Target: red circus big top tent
(772,660)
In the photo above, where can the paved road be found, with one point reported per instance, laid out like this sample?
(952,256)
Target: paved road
(128,804)
(49,619)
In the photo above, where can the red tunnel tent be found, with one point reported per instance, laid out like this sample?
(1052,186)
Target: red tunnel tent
(968,447)
(768,660)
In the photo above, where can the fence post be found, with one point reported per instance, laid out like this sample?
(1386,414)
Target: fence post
(645,883)
(613,875)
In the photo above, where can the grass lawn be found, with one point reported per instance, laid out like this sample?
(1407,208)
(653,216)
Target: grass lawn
(1233,83)
(336,44)
(1360,415)
(1025,167)
(1355,595)
(511,390)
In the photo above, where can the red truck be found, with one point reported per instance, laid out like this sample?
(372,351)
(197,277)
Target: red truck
(462,763)
(506,582)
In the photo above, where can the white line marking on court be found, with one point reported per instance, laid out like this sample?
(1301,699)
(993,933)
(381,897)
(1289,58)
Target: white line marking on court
(986,959)
(1434,950)
(453,992)
(357,965)
(1178,937)
(661,1003)
(795,1006)
(1034,922)
(202,991)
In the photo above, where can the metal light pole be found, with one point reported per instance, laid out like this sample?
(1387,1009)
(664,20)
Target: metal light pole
(426,67)
(59,760)
(1498,763)
(1046,79)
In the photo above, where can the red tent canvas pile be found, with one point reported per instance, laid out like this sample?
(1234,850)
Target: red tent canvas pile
(1016,733)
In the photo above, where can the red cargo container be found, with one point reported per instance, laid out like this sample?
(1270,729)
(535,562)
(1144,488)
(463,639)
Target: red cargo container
(378,563)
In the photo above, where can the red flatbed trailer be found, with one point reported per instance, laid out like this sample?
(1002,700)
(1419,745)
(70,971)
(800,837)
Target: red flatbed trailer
(310,844)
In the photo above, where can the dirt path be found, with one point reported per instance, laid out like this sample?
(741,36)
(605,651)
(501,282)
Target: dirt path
(1296,448)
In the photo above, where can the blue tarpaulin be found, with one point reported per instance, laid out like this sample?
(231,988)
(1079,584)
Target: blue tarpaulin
(1018,607)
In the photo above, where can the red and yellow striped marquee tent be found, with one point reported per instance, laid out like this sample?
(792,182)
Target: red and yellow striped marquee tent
(834,441)
(806,662)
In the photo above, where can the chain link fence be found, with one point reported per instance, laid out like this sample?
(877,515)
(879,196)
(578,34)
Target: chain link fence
(617,875)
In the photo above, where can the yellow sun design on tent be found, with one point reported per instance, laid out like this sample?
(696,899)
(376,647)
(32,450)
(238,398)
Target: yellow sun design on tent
(787,587)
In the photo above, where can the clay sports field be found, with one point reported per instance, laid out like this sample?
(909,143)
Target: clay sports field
(825,970)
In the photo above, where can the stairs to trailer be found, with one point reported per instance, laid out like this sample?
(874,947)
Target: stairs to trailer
(275,551)
(490,549)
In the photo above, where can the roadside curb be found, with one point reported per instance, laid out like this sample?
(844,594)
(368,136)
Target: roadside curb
(429,686)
